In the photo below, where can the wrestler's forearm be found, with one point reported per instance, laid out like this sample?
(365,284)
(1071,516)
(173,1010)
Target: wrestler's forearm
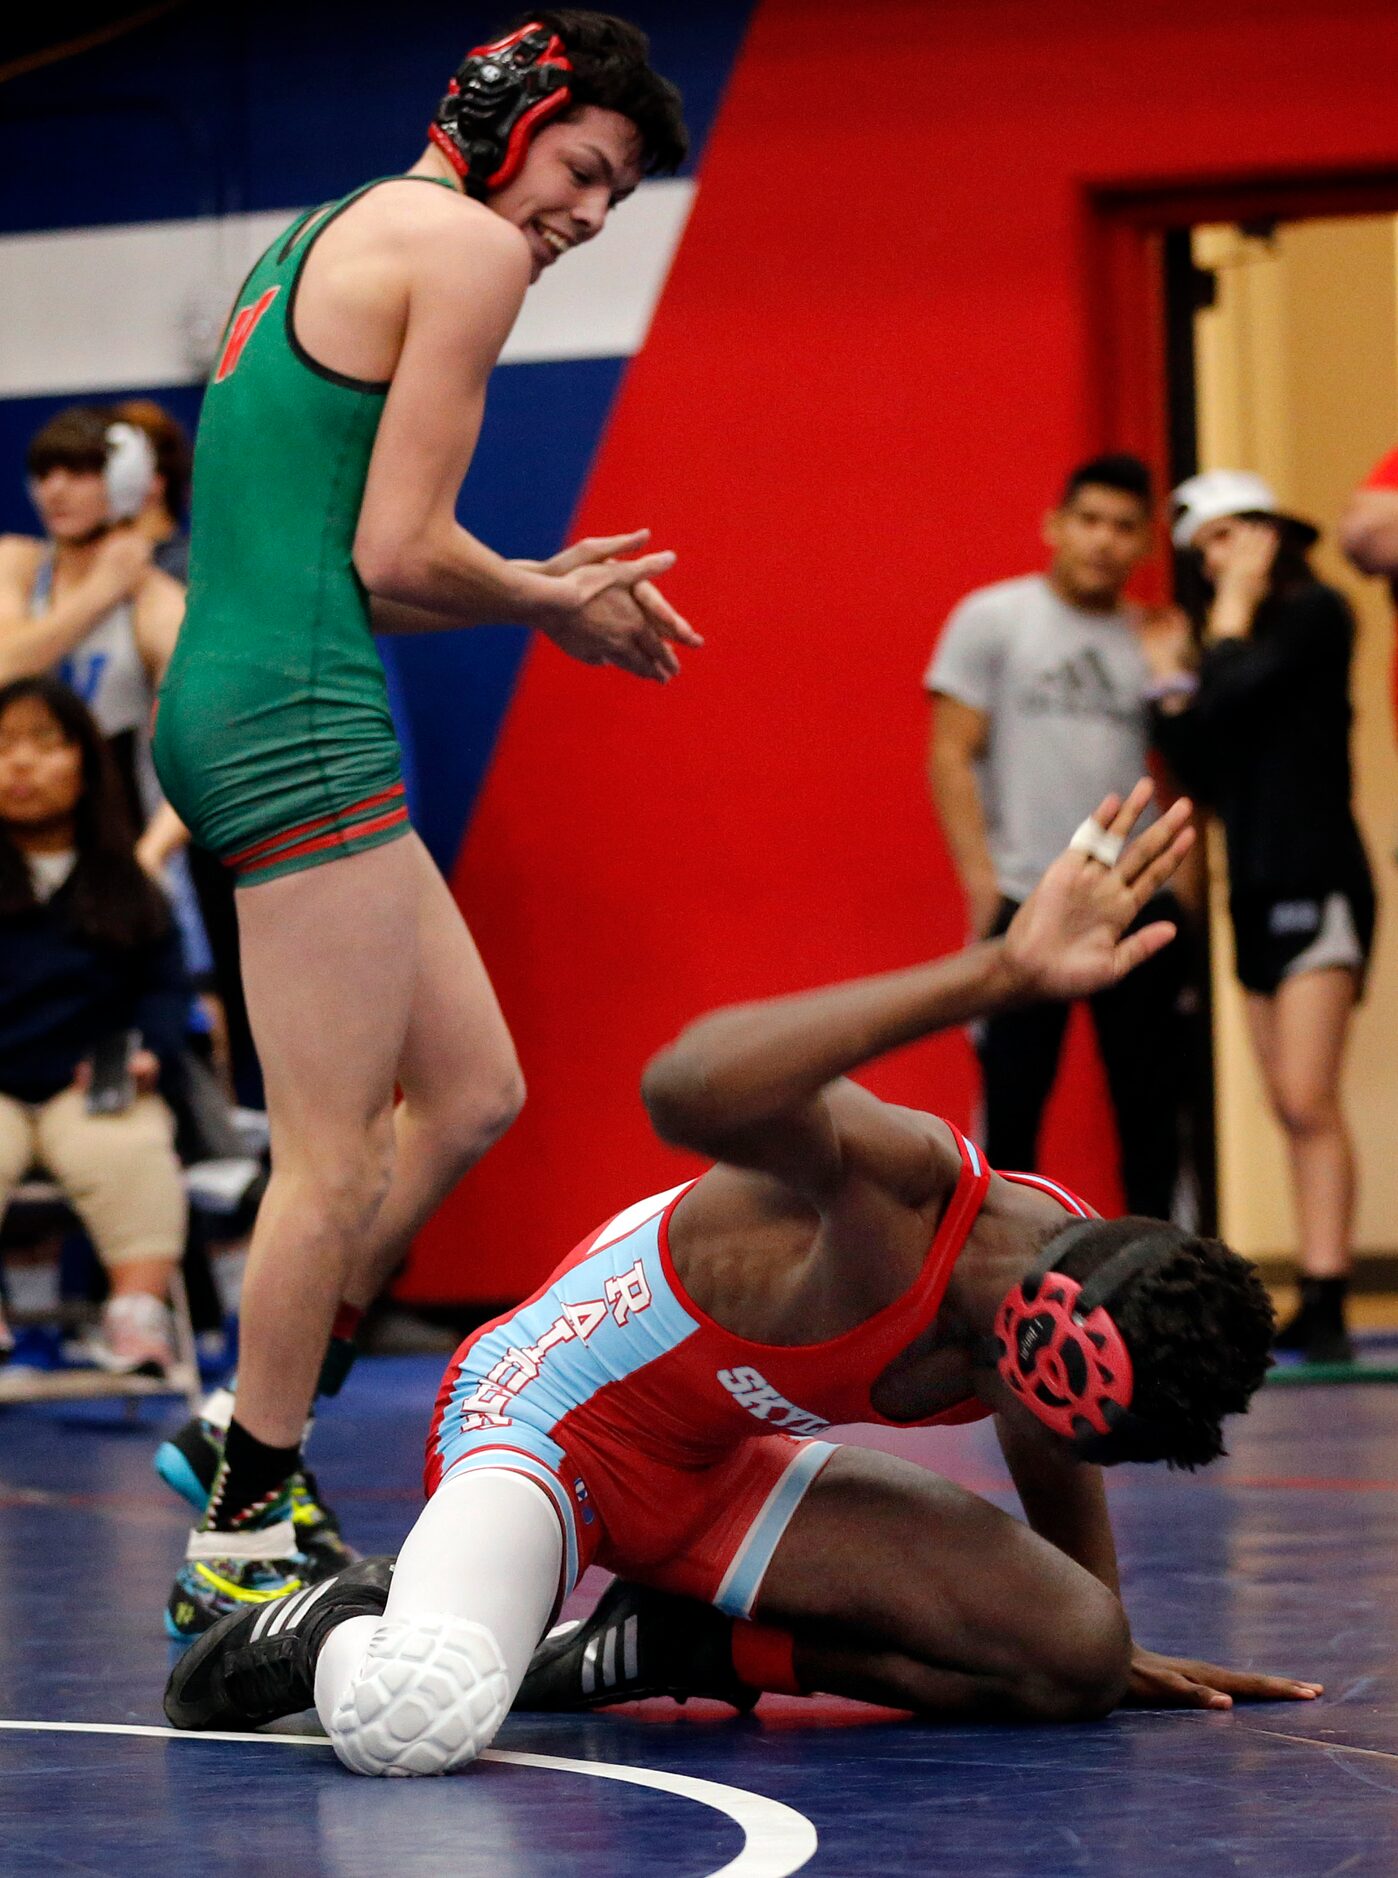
(451,580)
(1063,1499)
(31,645)
(750,1061)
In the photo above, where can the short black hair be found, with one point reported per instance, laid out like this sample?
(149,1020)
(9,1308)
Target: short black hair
(1198,1325)
(1116,470)
(612,69)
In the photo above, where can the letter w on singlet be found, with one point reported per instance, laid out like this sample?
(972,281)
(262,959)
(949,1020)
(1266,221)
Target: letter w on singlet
(244,324)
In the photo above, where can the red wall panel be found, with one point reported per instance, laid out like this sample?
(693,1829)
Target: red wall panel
(876,354)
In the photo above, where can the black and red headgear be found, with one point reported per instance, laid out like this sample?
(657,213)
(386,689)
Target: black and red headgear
(1059,1350)
(497,101)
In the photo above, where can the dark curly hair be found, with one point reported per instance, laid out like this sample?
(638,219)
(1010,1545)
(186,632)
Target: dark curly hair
(1198,1325)
(611,69)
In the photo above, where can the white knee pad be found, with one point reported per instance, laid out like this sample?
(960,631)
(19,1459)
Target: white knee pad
(427,1698)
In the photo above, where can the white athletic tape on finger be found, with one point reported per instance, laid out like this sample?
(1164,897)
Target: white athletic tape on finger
(1093,840)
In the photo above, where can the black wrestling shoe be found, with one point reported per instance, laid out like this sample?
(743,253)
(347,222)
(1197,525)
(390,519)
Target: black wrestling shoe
(636,1644)
(260,1662)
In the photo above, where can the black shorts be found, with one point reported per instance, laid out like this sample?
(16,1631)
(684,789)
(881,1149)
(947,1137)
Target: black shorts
(1275,939)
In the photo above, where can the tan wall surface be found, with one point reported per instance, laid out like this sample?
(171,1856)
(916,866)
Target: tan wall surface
(1298,380)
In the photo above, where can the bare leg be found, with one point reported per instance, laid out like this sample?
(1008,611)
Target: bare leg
(903,1589)
(1299,1035)
(460,1081)
(329,964)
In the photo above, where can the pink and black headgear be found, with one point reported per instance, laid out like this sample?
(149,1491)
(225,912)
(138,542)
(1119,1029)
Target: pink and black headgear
(499,98)
(1061,1353)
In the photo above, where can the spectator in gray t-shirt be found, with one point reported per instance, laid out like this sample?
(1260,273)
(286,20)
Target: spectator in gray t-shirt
(1040,690)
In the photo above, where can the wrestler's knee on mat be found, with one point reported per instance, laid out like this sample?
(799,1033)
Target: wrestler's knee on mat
(427,1698)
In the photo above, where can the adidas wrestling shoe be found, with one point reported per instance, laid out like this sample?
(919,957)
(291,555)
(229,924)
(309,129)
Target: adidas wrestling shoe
(636,1644)
(257,1664)
(188,1461)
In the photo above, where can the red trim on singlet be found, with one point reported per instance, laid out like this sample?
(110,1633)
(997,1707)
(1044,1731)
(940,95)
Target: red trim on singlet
(886,1322)
(340,838)
(834,1377)
(299,829)
(1053,1190)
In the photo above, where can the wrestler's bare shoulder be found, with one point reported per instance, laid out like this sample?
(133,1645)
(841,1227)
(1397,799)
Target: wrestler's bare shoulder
(429,225)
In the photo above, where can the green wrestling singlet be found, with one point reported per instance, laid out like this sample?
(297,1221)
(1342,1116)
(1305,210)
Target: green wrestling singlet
(273,739)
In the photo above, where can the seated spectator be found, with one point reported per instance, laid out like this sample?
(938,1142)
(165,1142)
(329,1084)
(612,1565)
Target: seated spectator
(86,602)
(1257,727)
(161,518)
(88,952)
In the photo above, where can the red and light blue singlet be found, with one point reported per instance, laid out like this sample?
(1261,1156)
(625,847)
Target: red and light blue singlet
(674,1451)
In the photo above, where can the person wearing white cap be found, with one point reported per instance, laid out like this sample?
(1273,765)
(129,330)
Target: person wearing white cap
(1255,719)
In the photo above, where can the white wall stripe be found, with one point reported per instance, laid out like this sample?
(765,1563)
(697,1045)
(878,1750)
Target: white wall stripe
(777,1840)
(92,310)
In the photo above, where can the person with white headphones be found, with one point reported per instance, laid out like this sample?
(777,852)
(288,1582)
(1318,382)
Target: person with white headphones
(85,599)
(1255,718)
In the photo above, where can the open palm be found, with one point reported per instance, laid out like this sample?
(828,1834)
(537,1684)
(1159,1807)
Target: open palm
(1066,941)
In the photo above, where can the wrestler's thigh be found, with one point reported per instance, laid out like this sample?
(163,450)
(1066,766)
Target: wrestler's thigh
(890,1554)
(455,1028)
(329,959)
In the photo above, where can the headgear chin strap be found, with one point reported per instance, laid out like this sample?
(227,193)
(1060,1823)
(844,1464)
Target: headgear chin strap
(1060,1352)
(498,99)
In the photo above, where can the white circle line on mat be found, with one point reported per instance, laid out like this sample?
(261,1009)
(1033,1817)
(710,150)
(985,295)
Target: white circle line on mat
(777,1839)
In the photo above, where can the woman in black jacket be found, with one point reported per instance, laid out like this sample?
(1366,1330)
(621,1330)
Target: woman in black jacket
(89,964)
(1257,726)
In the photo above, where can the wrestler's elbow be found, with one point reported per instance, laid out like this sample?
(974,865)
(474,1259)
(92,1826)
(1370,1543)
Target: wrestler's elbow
(678,1096)
(384,565)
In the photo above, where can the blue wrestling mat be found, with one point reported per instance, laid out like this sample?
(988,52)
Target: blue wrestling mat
(1282,1557)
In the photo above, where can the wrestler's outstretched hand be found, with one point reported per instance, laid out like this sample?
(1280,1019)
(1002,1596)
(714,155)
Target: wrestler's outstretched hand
(1066,940)
(1178,1682)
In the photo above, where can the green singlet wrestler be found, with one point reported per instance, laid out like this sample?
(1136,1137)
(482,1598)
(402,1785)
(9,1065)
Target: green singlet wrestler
(339,423)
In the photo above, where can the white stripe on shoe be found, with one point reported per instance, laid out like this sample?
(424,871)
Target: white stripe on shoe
(255,1542)
(630,1648)
(289,1611)
(589,1668)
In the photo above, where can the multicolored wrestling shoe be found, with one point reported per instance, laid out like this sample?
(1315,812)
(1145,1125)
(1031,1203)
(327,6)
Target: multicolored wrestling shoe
(188,1461)
(257,1564)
